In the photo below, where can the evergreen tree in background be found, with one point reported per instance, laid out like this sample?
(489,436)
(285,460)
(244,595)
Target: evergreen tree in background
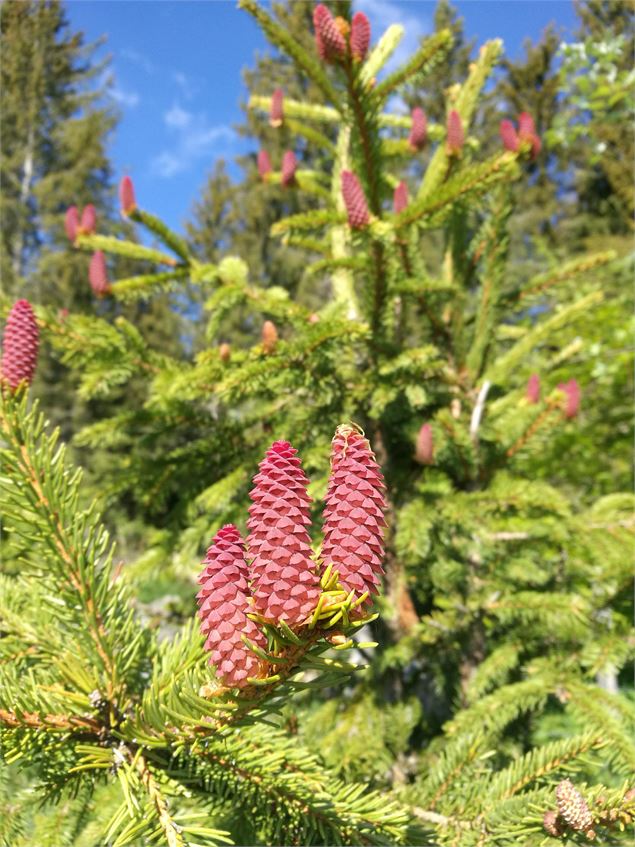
(497,704)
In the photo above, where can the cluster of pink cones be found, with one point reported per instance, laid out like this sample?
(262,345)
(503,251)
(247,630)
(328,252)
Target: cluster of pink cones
(273,576)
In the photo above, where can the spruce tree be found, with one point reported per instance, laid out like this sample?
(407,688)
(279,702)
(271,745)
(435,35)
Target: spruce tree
(503,595)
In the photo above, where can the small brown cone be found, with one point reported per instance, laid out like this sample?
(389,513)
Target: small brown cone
(573,807)
(225,352)
(553,824)
(269,337)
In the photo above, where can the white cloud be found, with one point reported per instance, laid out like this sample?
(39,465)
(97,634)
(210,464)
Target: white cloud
(139,59)
(194,138)
(415,21)
(124,97)
(185,84)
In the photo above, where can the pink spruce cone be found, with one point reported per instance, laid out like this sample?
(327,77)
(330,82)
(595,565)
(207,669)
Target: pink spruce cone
(355,201)
(276,113)
(455,138)
(572,806)
(354,514)
(527,132)
(126,196)
(329,40)
(285,585)
(360,36)
(509,136)
(424,452)
(573,394)
(264,164)
(289,168)
(533,389)
(269,337)
(419,130)
(20,345)
(89,220)
(98,274)
(400,197)
(223,602)
(71,223)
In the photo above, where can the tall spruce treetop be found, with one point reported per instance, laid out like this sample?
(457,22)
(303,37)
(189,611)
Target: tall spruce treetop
(494,692)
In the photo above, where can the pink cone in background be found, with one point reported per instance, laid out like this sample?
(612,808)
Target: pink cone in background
(126,196)
(276,113)
(264,164)
(71,223)
(419,129)
(98,274)
(360,36)
(289,168)
(355,201)
(533,389)
(424,451)
(354,514)
(89,220)
(285,584)
(269,336)
(329,40)
(400,197)
(509,136)
(455,136)
(527,132)
(573,395)
(223,607)
(20,345)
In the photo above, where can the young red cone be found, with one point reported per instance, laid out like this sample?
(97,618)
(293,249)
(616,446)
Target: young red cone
(329,40)
(264,164)
(354,514)
(289,168)
(89,220)
(276,113)
(223,602)
(419,129)
(126,196)
(98,274)
(20,345)
(269,336)
(285,585)
(573,395)
(527,133)
(355,201)
(424,452)
(455,138)
(533,389)
(360,36)
(509,136)
(71,223)
(400,197)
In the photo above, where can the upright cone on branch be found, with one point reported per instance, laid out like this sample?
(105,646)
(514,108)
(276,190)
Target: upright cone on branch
(89,220)
(98,274)
(264,164)
(571,390)
(223,608)
(355,201)
(419,129)
(269,337)
(527,133)
(289,168)
(20,345)
(572,806)
(509,136)
(285,584)
(71,223)
(400,197)
(360,36)
(533,389)
(354,514)
(225,352)
(424,452)
(276,112)
(126,196)
(455,138)
(329,40)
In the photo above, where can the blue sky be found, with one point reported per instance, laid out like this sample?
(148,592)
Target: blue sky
(176,76)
